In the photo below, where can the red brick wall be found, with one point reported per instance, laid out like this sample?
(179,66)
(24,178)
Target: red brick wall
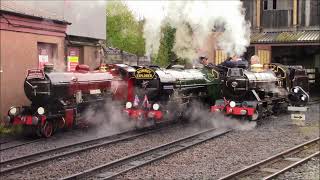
(19,53)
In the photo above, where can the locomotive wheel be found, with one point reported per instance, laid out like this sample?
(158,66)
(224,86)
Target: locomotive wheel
(61,123)
(38,132)
(47,129)
(255,116)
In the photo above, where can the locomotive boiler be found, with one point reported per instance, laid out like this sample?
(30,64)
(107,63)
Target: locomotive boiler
(164,94)
(255,94)
(240,83)
(58,98)
(53,87)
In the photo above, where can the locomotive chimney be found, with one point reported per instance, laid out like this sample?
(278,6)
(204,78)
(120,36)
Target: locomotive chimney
(82,68)
(48,67)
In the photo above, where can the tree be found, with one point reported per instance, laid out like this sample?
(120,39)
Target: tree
(123,30)
(165,54)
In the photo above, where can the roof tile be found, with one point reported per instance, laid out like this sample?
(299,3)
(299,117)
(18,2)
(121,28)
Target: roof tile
(280,37)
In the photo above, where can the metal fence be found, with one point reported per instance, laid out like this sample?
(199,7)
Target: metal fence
(115,55)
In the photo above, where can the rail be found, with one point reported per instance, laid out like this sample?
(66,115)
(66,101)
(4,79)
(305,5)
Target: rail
(120,166)
(291,158)
(10,144)
(44,156)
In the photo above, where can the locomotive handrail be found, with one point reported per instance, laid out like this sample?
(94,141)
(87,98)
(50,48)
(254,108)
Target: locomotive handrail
(216,73)
(275,68)
(43,93)
(33,87)
(285,75)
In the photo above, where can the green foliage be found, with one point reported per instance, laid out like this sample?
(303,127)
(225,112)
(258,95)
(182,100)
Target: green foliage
(10,130)
(165,54)
(123,30)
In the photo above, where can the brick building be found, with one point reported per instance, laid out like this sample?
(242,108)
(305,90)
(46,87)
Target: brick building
(27,41)
(36,32)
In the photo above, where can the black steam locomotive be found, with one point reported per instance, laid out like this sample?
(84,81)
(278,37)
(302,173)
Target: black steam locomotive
(58,98)
(254,94)
(162,94)
(154,94)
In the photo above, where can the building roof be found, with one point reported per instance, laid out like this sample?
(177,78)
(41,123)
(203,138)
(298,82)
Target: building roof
(286,37)
(10,7)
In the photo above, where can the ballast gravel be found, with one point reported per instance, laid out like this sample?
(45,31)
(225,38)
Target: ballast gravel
(69,165)
(57,140)
(309,171)
(234,151)
(210,160)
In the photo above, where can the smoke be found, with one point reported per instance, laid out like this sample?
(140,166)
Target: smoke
(108,119)
(199,114)
(184,46)
(275,89)
(200,18)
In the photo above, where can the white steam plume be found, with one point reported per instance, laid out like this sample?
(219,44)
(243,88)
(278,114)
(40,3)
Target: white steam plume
(200,115)
(108,119)
(201,16)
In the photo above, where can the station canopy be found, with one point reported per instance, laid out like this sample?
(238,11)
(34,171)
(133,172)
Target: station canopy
(285,37)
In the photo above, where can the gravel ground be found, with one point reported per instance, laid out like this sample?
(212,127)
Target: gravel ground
(85,160)
(233,151)
(307,171)
(58,140)
(210,160)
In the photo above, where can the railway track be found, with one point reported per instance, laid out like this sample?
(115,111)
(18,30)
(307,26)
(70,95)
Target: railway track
(4,140)
(120,166)
(15,164)
(10,144)
(314,101)
(278,164)
(7,143)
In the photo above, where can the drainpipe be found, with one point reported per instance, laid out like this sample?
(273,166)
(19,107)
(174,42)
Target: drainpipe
(307,13)
(1,75)
(258,11)
(295,14)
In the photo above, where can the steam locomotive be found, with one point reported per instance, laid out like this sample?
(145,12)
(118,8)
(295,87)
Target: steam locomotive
(253,94)
(152,94)
(58,98)
(164,93)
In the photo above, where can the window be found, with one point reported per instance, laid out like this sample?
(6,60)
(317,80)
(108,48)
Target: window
(220,56)
(265,4)
(264,56)
(274,4)
(47,53)
(73,58)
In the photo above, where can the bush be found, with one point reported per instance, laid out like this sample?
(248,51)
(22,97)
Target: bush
(10,130)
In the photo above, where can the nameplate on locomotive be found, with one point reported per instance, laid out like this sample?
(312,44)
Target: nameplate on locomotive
(144,73)
(35,74)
